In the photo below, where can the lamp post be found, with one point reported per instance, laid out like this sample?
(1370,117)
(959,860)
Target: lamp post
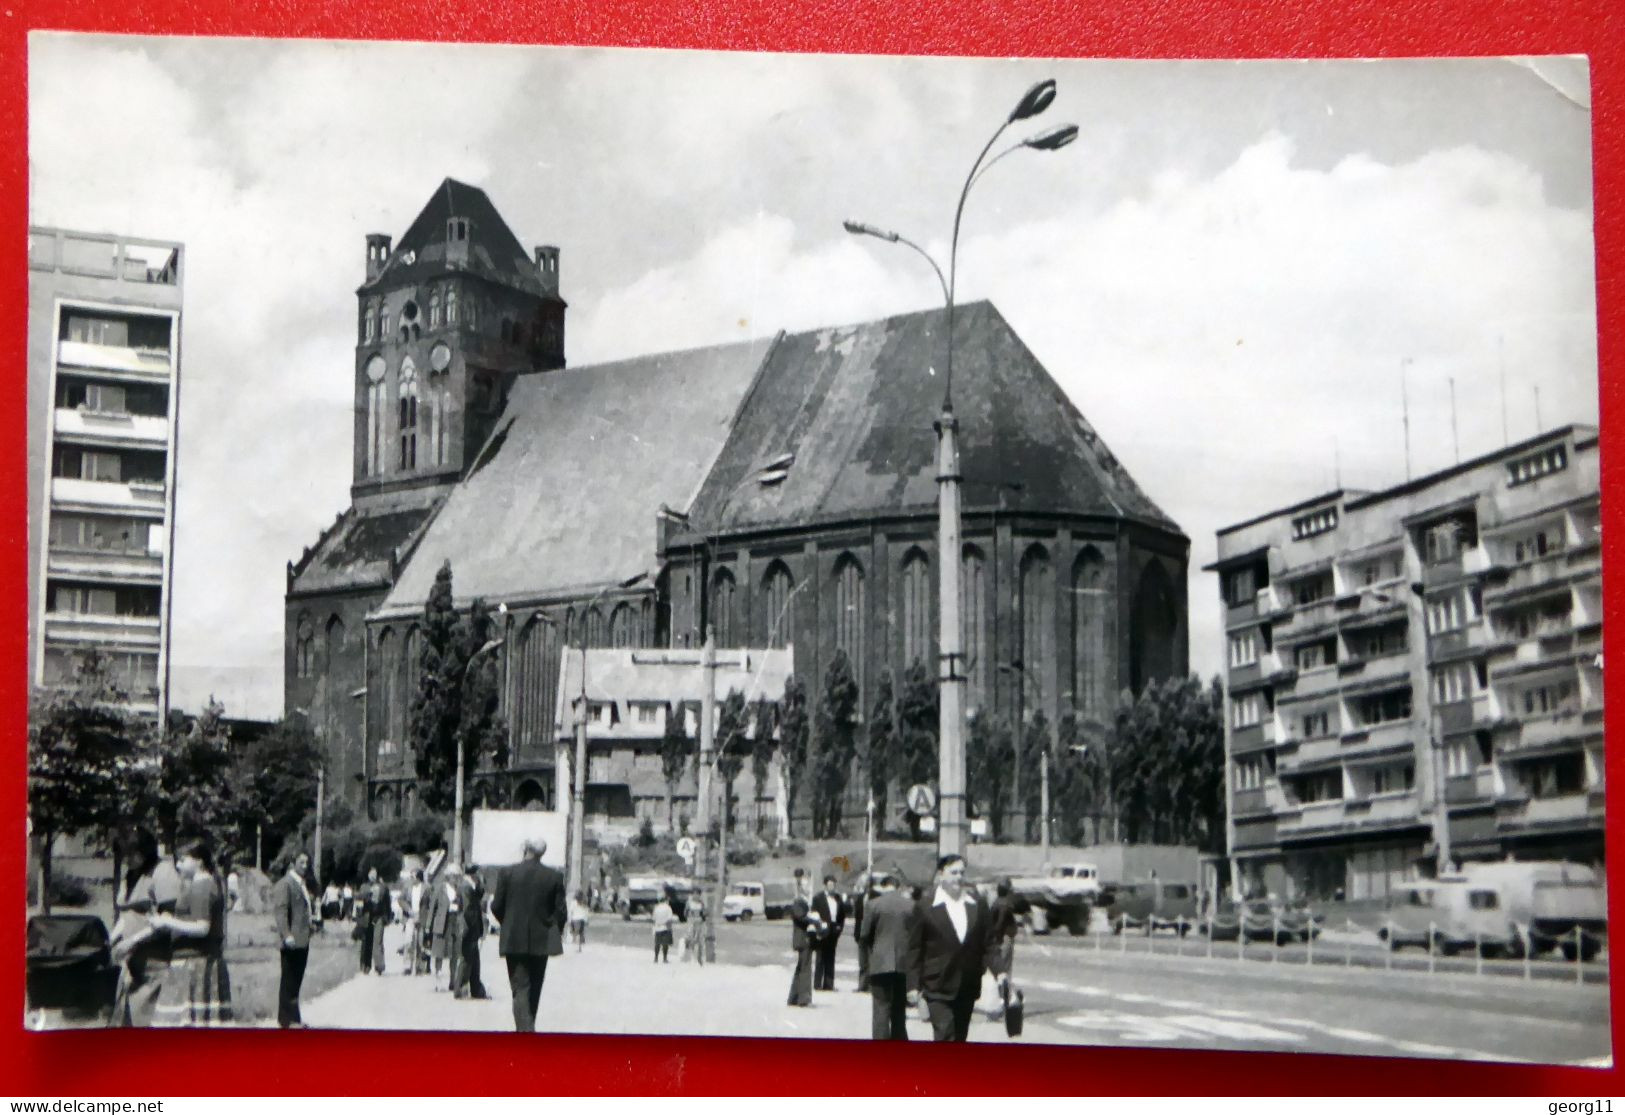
(951,833)
(765,475)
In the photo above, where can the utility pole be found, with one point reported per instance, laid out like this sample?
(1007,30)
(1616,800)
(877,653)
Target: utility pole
(578,779)
(321,792)
(951,687)
(702,854)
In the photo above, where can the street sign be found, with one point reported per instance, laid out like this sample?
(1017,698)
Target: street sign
(922,800)
(685,848)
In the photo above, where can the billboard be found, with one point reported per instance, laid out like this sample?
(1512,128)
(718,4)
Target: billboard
(497,835)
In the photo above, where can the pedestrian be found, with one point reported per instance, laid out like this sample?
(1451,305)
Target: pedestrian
(803,938)
(472,900)
(888,920)
(831,910)
(291,910)
(578,921)
(1008,908)
(410,901)
(423,935)
(451,884)
(950,946)
(346,902)
(529,904)
(372,913)
(196,989)
(151,887)
(696,927)
(331,902)
(664,917)
(860,903)
(435,921)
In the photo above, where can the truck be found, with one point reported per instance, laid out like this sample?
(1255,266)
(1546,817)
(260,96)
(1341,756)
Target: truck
(748,900)
(1557,905)
(642,894)
(1151,904)
(1063,896)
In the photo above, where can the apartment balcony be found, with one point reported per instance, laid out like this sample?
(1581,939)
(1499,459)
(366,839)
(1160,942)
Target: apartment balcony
(1271,601)
(1390,735)
(118,566)
(96,427)
(145,365)
(1236,615)
(1310,684)
(1310,753)
(1567,730)
(1365,673)
(1265,800)
(102,631)
(133,495)
(1530,576)
(1464,642)
(1467,789)
(1307,620)
(1314,817)
(1382,810)
(1518,810)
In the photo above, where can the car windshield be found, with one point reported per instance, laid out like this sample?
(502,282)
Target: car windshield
(746,889)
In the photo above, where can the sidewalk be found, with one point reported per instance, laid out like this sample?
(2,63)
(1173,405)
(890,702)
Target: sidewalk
(613,990)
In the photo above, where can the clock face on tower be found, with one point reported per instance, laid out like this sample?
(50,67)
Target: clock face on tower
(375,370)
(440,357)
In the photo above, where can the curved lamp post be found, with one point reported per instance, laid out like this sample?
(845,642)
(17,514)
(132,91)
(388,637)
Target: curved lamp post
(951,833)
(457,808)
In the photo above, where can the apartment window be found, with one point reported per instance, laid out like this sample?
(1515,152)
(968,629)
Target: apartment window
(1394,779)
(93,532)
(1536,544)
(1460,758)
(1551,618)
(89,329)
(1313,656)
(1377,642)
(96,600)
(1310,590)
(1375,570)
(1557,776)
(1552,699)
(88,464)
(1446,613)
(1316,724)
(1444,541)
(1241,587)
(1316,522)
(1326,786)
(1247,710)
(1453,683)
(647,714)
(1243,649)
(1535,465)
(1383,708)
(1252,770)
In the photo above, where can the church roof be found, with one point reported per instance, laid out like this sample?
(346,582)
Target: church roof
(564,495)
(494,252)
(357,550)
(855,404)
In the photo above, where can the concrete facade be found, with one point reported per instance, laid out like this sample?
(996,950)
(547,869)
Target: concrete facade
(104,363)
(1418,665)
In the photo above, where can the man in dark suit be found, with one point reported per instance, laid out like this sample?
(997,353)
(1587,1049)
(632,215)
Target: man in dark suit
(529,902)
(888,919)
(831,910)
(291,909)
(803,938)
(471,895)
(950,946)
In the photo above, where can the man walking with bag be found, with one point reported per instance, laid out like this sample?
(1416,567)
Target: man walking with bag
(950,947)
(529,904)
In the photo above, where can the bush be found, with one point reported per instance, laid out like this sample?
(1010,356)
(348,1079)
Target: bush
(646,834)
(385,858)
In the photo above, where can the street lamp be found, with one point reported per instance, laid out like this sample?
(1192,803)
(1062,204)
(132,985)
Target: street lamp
(457,818)
(951,704)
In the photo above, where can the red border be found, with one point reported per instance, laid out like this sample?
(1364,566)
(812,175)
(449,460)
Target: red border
(375,1064)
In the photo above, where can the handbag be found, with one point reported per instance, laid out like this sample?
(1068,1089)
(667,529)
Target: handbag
(1014,1009)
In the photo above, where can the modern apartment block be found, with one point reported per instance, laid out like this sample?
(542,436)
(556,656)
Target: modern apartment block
(104,319)
(1418,667)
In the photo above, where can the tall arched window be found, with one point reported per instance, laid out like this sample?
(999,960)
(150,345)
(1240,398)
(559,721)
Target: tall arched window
(572,631)
(304,648)
(850,613)
(916,600)
(409,414)
(1154,632)
(434,308)
(536,685)
(1037,621)
(595,627)
(777,622)
(451,303)
(332,664)
(622,625)
(388,666)
(1091,684)
(723,598)
(973,625)
(411,671)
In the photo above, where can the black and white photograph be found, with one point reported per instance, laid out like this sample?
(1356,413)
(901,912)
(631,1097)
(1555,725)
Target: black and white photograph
(657,542)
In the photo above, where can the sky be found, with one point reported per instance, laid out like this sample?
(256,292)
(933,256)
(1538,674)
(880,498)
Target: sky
(1229,272)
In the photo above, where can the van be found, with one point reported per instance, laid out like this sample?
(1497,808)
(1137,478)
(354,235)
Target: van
(1449,915)
(1153,903)
(745,901)
(1548,900)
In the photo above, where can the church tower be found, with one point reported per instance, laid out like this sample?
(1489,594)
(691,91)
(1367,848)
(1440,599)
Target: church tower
(448,319)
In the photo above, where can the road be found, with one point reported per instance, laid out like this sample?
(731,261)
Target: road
(1113,991)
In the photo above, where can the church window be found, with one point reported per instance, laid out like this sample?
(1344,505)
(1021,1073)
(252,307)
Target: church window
(434,308)
(850,613)
(622,627)
(916,588)
(722,608)
(409,415)
(383,324)
(777,589)
(1037,616)
(366,324)
(973,624)
(304,649)
(1090,676)
(451,303)
(535,684)
(595,627)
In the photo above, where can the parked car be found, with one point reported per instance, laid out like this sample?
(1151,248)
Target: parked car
(757,900)
(1151,904)
(70,966)
(1263,919)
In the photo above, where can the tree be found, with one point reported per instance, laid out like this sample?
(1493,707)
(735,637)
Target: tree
(196,777)
(793,733)
(275,779)
(916,757)
(88,760)
(732,748)
(1035,740)
(458,694)
(1167,764)
(674,756)
(837,744)
(880,750)
(989,755)
(1080,780)
(763,743)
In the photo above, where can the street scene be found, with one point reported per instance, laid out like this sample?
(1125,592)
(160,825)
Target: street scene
(1047,551)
